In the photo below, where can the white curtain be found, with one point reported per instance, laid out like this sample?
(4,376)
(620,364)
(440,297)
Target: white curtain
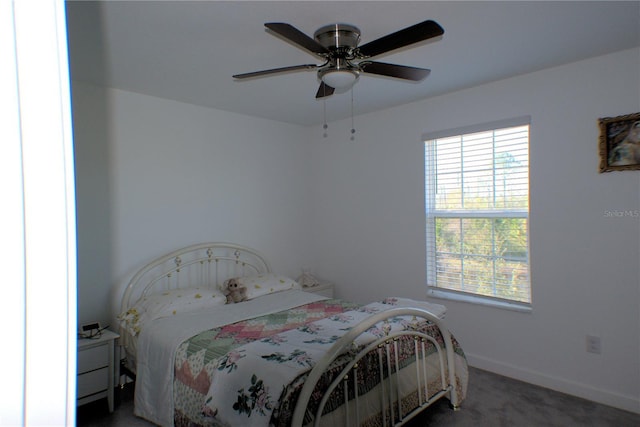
(37,251)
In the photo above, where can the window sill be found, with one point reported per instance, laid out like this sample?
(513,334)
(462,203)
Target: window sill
(478,300)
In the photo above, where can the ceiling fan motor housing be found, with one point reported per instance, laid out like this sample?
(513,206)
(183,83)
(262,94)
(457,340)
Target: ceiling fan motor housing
(340,39)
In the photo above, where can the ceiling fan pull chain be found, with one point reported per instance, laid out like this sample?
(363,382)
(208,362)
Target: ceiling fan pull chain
(353,129)
(324,112)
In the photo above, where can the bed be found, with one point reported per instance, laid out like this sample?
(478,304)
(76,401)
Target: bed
(283,357)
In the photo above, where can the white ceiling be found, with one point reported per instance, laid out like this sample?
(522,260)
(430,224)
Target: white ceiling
(188,51)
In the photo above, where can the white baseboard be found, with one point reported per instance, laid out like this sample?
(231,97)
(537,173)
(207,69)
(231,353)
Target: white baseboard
(627,403)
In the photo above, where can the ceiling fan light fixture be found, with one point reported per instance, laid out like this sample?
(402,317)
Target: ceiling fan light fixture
(341,80)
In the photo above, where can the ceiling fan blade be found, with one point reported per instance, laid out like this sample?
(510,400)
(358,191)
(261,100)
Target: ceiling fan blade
(274,71)
(393,70)
(324,91)
(410,35)
(296,36)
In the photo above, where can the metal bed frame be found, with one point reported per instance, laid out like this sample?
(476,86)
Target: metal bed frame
(209,264)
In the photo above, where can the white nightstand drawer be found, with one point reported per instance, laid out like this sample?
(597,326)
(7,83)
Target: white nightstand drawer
(93,382)
(97,372)
(93,358)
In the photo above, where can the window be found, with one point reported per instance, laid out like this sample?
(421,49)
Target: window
(477,212)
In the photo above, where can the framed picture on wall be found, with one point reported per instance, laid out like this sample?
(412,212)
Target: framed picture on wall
(619,143)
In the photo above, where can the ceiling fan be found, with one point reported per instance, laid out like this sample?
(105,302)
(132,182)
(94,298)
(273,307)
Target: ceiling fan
(344,60)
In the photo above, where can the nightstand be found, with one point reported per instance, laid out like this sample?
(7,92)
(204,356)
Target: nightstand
(96,368)
(324,289)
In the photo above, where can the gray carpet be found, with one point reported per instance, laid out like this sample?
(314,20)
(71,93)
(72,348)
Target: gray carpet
(492,401)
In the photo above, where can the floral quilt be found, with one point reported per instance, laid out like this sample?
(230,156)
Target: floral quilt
(197,359)
(250,373)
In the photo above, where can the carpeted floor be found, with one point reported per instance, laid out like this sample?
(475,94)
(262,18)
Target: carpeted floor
(492,401)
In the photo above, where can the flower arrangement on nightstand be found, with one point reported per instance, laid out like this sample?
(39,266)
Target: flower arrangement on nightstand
(310,283)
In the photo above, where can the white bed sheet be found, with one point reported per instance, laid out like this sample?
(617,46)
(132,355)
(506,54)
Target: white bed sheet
(159,339)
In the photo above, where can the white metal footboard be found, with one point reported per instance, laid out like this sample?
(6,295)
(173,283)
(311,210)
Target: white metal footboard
(386,349)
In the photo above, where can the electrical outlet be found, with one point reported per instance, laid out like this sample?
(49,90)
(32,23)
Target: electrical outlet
(594,345)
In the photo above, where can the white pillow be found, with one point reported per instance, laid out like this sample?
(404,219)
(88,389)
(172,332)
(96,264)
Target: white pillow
(168,303)
(267,283)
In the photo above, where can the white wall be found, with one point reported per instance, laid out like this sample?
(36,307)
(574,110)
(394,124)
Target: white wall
(369,224)
(154,175)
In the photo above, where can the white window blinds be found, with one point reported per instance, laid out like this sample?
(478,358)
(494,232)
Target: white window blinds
(477,209)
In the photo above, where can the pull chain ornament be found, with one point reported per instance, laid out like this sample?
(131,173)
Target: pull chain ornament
(324,112)
(353,129)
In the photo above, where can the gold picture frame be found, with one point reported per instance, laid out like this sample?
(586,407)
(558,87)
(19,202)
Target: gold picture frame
(619,143)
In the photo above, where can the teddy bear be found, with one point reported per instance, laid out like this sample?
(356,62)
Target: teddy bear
(235,291)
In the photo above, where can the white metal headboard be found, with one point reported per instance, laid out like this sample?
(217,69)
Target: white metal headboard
(204,264)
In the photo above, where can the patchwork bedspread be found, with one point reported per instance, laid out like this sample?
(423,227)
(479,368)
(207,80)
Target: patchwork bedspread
(197,359)
(213,387)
